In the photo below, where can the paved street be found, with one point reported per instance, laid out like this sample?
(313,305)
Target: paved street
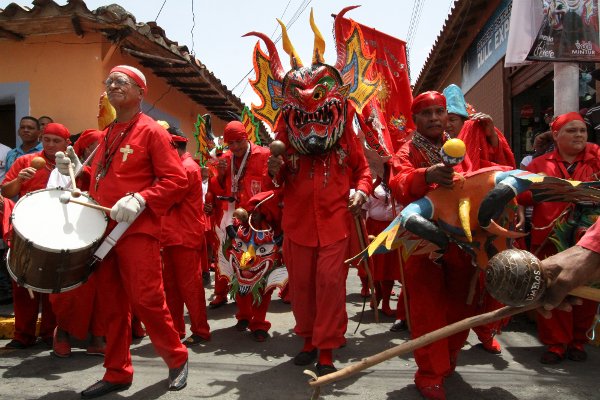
(233,366)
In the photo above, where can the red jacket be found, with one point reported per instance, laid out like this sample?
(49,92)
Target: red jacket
(551,164)
(408,167)
(148,164)
(183,225)
(316,213)
(591,239)
(38,181)
(253,180)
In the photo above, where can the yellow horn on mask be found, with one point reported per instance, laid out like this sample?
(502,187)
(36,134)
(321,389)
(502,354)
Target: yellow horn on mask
(319,46)
(289,48)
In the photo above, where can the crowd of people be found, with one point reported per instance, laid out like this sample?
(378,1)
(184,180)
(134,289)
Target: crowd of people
(168,209)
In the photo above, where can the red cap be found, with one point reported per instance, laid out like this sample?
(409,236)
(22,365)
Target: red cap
(564,119)
(87,137)
(179,139)
(56,129)
(235,130)
(427,99)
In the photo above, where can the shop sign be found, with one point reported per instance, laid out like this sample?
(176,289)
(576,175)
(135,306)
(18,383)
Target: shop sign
(488,47)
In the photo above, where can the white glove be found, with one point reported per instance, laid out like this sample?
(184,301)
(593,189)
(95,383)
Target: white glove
(128,208)
(63,161)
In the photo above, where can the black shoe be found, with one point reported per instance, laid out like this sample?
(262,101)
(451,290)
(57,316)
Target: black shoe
(325,369)
(103,387)
(305,357)
(550,357)
(178,377)
(194,340)
(217,302)
(242,325)
(399,326)
(575,354)
(16,345)
(260,335)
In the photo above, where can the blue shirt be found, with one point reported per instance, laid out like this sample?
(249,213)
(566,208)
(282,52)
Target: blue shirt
(18,152)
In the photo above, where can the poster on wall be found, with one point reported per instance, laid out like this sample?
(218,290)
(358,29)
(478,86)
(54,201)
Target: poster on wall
(569,32)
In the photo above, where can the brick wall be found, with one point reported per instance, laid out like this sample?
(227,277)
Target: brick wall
(488,96)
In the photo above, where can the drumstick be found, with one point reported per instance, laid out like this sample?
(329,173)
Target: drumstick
(68,199)
(76,192)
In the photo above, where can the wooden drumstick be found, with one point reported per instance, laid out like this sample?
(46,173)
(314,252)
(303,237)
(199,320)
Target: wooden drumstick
(76,192)
(68,199)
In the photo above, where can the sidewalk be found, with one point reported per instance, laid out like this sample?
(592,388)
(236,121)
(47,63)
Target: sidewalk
(233,366)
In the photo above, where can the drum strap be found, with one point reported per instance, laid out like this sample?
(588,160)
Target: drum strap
(111,239)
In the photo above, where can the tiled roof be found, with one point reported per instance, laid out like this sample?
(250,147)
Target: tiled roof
(145,41)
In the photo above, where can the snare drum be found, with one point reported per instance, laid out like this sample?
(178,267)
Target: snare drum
(53,243)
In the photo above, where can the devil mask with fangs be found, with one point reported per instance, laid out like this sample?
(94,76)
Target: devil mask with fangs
(312,102)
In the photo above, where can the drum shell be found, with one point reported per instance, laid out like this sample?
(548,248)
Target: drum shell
(54,270)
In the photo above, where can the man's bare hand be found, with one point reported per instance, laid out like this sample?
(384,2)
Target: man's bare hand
(356,201)
(440,174)
(274,164)
(565,271)
(26,173)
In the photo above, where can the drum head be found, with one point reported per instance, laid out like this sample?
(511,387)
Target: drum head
(50,225)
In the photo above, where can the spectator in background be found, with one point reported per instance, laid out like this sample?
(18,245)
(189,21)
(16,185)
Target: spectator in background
(5,282)
(541,143)
(592,116)
(44,120)
(29,132)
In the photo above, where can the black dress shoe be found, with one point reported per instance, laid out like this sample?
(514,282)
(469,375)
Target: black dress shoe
(399,326)
(242,325)
(325,369)
(103,387)
(178,377)
(305,357)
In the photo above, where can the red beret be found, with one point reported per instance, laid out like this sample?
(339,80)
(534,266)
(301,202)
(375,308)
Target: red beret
(427,99)
(564,119)
(235,130)
(88,137)
(56,129)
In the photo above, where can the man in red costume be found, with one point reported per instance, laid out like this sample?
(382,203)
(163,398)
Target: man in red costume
(486,146)
(316,225)
(437,294)
(137,172)
(21,179)
(241,174)
(182,238)
(573,158)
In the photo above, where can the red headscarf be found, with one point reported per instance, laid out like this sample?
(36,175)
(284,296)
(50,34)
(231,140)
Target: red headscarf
(56,129)
(134,73)
(564,119)
(235,130)
(427,99)
(87,137)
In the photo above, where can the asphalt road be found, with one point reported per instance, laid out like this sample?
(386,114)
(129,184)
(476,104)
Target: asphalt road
(233,366)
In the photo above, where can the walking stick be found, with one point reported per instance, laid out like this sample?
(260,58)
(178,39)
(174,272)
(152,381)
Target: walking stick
(361,232)
(401,266)
(419,342)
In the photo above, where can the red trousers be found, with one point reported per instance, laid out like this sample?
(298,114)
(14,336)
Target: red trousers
(438,295)
(256,313)
(317,279)
(130,278)
(77,311)
(182,275)
(567,329)
(26,315)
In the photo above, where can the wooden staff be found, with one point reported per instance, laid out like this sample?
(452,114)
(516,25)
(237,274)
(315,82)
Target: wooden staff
(401,267)
(449,330)
(68,199)
(361,232)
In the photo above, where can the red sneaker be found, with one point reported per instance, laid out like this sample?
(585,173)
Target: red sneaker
(492,346)
(61,349)
(434,392)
